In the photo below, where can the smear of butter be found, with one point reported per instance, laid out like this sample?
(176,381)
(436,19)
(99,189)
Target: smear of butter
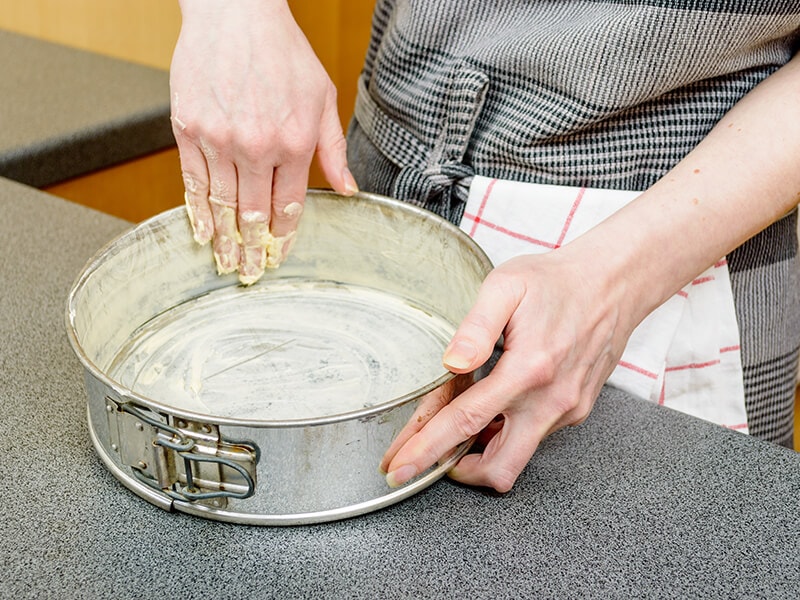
(277,248)
(293,209)
(260,249)
(296,350)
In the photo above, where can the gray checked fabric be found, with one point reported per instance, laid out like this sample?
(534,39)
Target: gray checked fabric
(607,94)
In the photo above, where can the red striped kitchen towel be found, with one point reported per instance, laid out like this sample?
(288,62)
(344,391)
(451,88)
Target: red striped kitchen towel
(684,355)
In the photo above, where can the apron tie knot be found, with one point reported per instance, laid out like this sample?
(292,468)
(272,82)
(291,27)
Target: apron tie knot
(447,183)
(432,173)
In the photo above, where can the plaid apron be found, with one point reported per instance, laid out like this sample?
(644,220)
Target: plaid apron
(584,94)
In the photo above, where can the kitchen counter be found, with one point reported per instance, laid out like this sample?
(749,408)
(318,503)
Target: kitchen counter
(66,112)
(639,501)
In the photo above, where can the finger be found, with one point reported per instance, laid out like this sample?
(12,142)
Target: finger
(254,229)
(461,419)
(485,436)
(195,182)
(332,149)
(222,197)
(539,413)
(254,217)
(504,393)
(474,340)
(430,404)
(505,455)
(289,185)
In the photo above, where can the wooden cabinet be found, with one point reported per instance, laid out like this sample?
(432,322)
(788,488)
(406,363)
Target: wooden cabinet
(134,190)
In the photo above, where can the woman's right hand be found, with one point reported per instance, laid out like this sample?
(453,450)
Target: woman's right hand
(251,103)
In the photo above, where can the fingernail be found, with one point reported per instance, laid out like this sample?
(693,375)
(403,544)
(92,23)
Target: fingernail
(254,231)
(254,260)
(350,185)
(278,248)
(293,209)
(225,255)
(460,355)
(401,475)
(200,230)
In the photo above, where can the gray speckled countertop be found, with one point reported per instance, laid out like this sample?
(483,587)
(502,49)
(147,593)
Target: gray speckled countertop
(66,112)
(637,502)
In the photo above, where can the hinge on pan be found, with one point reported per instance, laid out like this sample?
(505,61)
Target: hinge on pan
(187,460)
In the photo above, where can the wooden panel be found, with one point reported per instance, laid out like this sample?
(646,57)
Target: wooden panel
(133,190)
(338,30)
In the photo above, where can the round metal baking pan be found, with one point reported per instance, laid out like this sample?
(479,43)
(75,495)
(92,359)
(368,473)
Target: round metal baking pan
(273,403)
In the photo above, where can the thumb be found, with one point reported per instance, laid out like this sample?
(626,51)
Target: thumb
(332,149)
(474,340)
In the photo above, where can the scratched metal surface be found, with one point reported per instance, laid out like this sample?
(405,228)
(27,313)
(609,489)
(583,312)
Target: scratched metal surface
(360,312)
(293,349)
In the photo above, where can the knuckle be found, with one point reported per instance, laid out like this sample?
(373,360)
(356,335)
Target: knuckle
(569,405)
(222,191)
(478,329)
(546,370)
(478,322)
(336,143)
(506,279)
(501,480)
(254,146)
(251,145)
(579,419)
(579,409)
(540,370)
(468,421)
(330,91)
(195,185)
(299,143)
(183,126)
(211,149)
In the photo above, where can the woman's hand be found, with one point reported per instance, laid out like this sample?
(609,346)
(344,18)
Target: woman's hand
(563,335)
(251,103)
(568,314)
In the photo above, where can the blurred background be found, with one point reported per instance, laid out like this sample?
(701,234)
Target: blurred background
(144,32)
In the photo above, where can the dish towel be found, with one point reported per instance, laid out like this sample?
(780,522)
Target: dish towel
(685,355)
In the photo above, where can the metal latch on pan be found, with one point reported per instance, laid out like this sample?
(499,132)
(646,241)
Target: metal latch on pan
(186,460)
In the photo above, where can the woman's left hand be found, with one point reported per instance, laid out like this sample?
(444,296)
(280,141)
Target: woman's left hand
(564,330)
(566,315)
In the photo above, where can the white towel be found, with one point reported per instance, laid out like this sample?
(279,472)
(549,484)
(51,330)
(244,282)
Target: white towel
(684,355)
